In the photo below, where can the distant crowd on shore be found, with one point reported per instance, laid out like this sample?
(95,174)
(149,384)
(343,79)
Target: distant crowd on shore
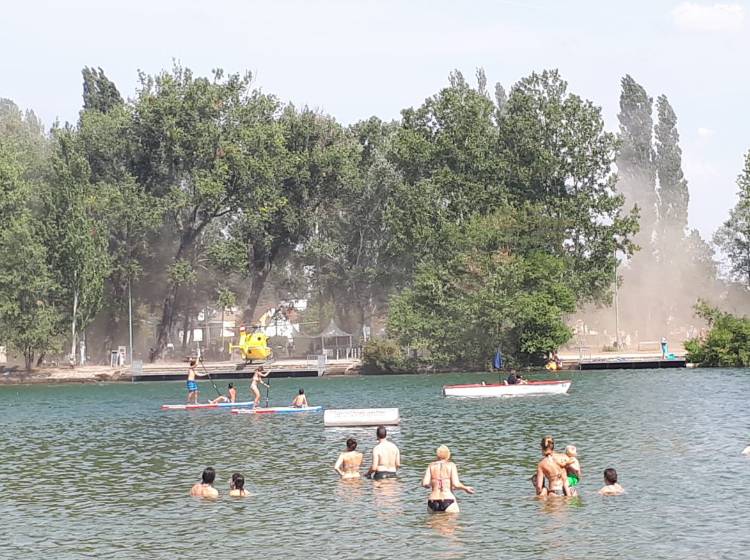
(557,474)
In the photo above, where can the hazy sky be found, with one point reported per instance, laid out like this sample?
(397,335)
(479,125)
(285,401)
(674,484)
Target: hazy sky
(354,59)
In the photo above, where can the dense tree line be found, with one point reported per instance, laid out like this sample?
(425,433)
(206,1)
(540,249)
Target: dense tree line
(478,220)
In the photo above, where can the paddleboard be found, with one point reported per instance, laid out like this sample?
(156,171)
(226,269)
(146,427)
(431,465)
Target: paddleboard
(276,410)
(206,405)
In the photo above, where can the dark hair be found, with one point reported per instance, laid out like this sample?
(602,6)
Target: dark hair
(351,444)
(230,386)
(548,444)
(238,481)
(192,363)
(301,391)
(610,475)
(209,475)
(380,432)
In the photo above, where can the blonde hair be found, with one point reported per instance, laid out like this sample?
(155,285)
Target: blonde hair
(548,445)
(443,452)
(571,451)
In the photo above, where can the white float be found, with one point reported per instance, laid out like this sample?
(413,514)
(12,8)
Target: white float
(346,417)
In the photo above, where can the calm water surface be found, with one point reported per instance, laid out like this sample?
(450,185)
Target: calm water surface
(98,471)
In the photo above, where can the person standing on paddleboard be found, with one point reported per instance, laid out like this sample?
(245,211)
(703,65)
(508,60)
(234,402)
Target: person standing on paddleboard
(192,386)
(386,458)
(258,378)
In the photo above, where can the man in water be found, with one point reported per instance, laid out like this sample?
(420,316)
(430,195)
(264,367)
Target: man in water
(611,487)
(300,401)
(548,468)
(386,458)
(230,398)
(192,386)
(347,465)
(205,488)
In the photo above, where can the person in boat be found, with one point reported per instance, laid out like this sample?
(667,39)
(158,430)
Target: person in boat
(550,470)
(258,378)
(512,378)
(237,486)
(300,401)
(192,385)
(386,458)
(573,469)
(205,488)
(441,478)
(611,486)
(230,397)
(348,463)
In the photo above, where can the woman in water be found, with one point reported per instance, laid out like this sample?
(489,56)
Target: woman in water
(549,468)
(257,378)
(348,463)
(441,478)
(237,486)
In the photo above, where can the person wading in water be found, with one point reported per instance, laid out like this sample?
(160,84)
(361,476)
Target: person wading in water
(348,463)
(548,467)
(441,478)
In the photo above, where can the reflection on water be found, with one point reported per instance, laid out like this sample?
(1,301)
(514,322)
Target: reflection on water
(99,471)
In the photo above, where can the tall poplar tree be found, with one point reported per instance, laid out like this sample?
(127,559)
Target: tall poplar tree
(734,235)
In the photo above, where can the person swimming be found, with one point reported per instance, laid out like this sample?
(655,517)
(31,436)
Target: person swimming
(229,398)
(549,469)
(237,486)
(258,376)
(386,458)
(441,477)
(300,401)
(348,463)
(205,488)
(611,486)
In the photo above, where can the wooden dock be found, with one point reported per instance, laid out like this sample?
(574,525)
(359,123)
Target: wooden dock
(621,360)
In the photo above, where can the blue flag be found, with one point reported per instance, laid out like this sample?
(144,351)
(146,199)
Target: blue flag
(497,363)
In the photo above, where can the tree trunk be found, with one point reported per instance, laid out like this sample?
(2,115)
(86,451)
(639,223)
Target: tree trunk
(259,276)
(73,329)
(28,356)
(185,327)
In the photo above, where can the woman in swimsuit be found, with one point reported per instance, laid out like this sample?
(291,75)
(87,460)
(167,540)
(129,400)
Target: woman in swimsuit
(549,469)
(348,463)
(257,378)
(441,478)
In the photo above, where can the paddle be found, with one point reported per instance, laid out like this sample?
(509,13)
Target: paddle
(268,388)
(209,376)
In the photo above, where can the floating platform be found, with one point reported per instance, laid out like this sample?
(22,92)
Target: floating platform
(350,417)
(626,363)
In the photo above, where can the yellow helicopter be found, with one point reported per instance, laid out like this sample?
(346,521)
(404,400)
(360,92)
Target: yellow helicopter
(252,345)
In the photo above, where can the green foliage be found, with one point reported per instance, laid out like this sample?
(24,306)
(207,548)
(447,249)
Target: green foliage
(493,292)
(28,317)
(385,355)
(727,343)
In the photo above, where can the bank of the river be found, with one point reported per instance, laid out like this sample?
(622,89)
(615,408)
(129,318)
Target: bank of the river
(99,470)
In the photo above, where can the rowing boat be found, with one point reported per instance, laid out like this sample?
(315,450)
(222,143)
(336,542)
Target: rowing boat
(502,390)
(206,406)
(277,410)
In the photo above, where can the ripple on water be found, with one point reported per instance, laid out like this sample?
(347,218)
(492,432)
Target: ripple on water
(99,471)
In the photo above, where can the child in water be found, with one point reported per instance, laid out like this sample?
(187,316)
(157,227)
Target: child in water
(237,486)
(573,468)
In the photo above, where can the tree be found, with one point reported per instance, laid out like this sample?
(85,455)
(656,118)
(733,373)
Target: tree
(75,234)
(727,343)
(195,147)
(673,188)
(733,237)
(99,93)
(28,318)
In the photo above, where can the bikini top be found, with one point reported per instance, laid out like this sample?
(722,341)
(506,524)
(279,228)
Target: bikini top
(440,478)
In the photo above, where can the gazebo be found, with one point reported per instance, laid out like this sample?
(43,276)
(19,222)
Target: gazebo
(334,337)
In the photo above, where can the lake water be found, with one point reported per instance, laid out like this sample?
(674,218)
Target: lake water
(99,471)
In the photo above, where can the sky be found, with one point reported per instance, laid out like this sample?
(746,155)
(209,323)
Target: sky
(353,59)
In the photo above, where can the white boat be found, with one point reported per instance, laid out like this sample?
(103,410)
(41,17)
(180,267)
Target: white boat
(503,390)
